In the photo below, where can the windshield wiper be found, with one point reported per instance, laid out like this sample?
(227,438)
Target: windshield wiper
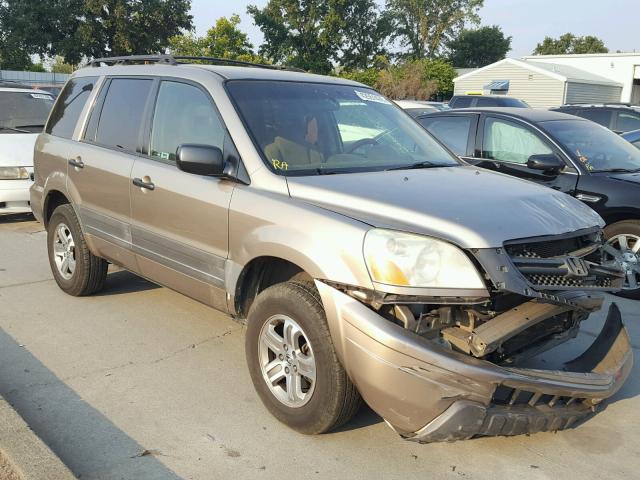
(13,129)
(414,166)
(619,170)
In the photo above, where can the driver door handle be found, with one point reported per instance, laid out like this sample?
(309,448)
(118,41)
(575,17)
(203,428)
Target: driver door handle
(138,182)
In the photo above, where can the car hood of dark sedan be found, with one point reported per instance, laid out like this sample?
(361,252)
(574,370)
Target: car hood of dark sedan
(470,207)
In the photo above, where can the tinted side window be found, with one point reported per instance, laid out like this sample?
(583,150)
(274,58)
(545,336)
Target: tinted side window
(452,131)
(122,113)
(627,122)
(461,102)
(183,114)
(509,142)
(69,105)
(486,102)
(598,115)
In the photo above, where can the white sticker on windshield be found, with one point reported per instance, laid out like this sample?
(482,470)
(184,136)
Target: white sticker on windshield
(372,97)
(41,96)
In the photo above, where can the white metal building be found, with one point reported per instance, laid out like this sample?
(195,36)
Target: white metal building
(551,81)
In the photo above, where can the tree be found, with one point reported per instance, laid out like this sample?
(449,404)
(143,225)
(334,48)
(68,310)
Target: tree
(223,40)
(363,32)
(90,28)
(299,33)
(570,44)
(477,48)
(425,26)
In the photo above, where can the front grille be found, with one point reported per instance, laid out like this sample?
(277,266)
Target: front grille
(564,264)
(564,281)
(507,396)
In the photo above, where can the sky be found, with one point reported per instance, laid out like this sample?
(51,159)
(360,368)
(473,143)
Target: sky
(527,21)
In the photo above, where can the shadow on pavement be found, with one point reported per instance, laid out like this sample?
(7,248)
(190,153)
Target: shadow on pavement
(364,418)
(84,439)
(123,281)
(16,217)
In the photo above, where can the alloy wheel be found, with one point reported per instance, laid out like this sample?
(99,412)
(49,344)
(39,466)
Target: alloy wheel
(64,251)
(286,361)
(624,251)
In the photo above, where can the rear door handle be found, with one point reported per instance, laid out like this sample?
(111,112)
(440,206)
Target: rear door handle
(138,182)
(76,162)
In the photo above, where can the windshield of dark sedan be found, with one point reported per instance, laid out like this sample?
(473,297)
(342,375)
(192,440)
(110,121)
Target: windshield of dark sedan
(24,110)
(311,128)
(596,147)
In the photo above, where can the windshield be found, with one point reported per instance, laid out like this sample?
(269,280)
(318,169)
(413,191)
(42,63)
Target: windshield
(312,129)
(594,146)
(24,111)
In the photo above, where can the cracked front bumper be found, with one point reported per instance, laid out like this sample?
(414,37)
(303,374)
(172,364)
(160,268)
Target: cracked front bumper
(428,393)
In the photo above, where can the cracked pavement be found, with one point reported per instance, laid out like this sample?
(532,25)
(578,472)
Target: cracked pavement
(141,383)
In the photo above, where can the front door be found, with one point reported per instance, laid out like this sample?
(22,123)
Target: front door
(505,146)
(180,220)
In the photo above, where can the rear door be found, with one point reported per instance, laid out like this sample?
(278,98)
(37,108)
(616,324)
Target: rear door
(457,132)
(100,166)
(180,220)
(505,145)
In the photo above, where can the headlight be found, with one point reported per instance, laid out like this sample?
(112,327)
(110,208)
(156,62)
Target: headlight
(404,259)
(13,173)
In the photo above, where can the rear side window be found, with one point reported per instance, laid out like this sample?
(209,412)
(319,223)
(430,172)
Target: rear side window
(627,122)
(452,131)
(122,112)
(600,116)
(69,106)
(183,114)
(461,102)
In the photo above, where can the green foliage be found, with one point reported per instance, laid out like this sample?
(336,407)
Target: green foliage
(417,79)
(59,66)
(570,44)
(299,33)
(368,76)
(223,40)
(36,67)
(425,26)
(477,48)
(90,28)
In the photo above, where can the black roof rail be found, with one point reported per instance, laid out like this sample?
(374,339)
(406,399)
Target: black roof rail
(167,59)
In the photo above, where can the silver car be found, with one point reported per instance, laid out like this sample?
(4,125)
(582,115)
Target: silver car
(367,261)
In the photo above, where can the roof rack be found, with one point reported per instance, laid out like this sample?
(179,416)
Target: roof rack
(166,59)
(604,104)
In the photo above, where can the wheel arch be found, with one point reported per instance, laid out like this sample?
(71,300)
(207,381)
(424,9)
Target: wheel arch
(53,200)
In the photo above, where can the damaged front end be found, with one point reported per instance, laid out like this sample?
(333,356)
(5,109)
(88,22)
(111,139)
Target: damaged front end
(448,367)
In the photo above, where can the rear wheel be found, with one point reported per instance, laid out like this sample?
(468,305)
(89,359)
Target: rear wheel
(623,249)
(75,269)
(293,363)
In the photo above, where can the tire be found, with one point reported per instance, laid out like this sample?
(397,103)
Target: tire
(630,229)
(332,399)
(89,272)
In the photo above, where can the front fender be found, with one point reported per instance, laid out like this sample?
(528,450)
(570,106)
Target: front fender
(324,244)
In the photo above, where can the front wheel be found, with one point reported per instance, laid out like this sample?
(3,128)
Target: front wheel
(293,363)
(623,249)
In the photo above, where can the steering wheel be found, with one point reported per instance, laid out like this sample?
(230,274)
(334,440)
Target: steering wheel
(361,143)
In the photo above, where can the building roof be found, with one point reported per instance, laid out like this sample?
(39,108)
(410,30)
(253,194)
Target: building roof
(559,72)
(573,74)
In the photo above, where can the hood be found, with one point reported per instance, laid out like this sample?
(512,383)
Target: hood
(16,149)
(631,177)
(467,206)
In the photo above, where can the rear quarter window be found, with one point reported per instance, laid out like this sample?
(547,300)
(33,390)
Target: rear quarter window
(69,106)
(452,131)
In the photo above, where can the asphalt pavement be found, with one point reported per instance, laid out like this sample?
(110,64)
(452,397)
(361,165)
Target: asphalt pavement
(142,383)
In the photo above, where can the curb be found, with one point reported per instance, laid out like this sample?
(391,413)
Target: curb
(23,456)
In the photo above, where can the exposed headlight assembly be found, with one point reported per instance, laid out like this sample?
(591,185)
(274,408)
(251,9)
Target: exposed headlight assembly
(14,173)
(408,260)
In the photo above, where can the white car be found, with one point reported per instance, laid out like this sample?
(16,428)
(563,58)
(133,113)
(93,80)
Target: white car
(23,113)
(415,108)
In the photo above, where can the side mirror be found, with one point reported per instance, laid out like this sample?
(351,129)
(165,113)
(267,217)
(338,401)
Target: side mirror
(200,160)
(548,163)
